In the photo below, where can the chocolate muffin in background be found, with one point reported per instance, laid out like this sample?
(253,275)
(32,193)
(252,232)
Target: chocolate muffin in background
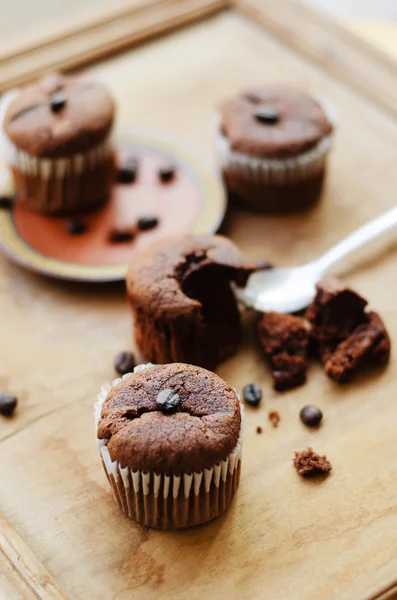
(182,299)
(285,340)
(344,334)
(273,143)
(170,439)
(58,144)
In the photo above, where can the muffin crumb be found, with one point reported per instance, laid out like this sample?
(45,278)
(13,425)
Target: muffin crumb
(308,463)
(274,418)
(259,429)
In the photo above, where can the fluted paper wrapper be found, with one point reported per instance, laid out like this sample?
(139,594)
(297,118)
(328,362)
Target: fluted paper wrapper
(170,501)
(63,185)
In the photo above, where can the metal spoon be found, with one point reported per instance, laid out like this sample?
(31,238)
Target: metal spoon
(292,289)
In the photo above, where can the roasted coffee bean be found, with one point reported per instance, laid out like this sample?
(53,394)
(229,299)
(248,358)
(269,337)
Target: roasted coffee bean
(76,227)
(6,202)
(8,403)
(166,173)
(118,236)
(252,394)
(145,223)
(266,114)
(58,101)
(311,415)
(128,173)
(124,362)
(168,400)
(259,429)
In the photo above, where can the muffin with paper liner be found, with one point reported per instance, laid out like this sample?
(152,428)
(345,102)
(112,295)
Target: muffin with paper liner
(273,142)
(57,143)
(170,439)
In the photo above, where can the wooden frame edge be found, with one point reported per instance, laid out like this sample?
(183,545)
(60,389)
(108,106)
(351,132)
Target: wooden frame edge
(99,36)
(326,42)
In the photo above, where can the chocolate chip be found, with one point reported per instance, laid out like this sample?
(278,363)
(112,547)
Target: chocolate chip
(76,227)
(311,415)
(124,362)
(6,202)
(259,429)
(168,400)
(127,173)
(117,236)
(145,223)
(58,102)
(252,394)
(266,114)
(166,173)
(263,265)
(8,403)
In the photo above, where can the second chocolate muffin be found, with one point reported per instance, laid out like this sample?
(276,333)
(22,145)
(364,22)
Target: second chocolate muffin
(273,143)
(182,300)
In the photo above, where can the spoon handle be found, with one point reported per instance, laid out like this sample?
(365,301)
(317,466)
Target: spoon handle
(355,240)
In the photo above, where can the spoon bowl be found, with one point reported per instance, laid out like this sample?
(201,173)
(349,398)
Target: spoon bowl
(292,289)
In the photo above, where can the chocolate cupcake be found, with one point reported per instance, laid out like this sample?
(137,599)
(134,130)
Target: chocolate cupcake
(170,439)
(182,299)
(58,144)
(273,143)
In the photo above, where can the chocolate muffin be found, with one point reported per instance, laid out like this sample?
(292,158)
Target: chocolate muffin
(285,341)
(182,300)
(58,144)
(273,143)
(346,336)
(170,440)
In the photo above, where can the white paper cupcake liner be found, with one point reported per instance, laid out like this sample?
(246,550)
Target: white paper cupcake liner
(170,501)
(275,172)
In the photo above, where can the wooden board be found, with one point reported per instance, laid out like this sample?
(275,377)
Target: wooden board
(283,537)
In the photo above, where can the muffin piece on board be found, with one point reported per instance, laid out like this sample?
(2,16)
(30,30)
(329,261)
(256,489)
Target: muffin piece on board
(58,146)
(182,300)
(343,333)
(284,339)
(170,439)
(273,143)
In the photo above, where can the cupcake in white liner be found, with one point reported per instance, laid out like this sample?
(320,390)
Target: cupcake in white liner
(273,144)
(170,440)
(57,143)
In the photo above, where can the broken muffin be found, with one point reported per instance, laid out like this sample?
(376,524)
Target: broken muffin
(182,299)
(285,339)
(344,335)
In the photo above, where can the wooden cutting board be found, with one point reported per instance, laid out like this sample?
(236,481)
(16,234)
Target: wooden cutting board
(284,537)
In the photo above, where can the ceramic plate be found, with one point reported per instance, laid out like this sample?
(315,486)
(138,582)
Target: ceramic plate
(193,201)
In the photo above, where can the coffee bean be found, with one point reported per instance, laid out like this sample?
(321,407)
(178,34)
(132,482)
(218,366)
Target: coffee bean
(117,236)
(8,403)
(263,265)
(76,227)
(58,102)
(259,429)
(252,394)
(166,173)
(124,362)
(311,415)
(6,202)
(145,223)
(127,173)
(267,114)
(168,400)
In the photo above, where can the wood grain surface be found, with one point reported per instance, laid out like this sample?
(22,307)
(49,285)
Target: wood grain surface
(283,538)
